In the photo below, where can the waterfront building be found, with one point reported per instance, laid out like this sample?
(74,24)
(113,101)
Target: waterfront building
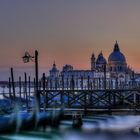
(111,73)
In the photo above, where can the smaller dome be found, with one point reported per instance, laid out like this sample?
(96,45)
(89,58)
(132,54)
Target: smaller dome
(54,68)
(101,59)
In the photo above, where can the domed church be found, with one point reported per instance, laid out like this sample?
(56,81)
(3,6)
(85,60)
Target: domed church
(117,60)
(116,65)
(114,69)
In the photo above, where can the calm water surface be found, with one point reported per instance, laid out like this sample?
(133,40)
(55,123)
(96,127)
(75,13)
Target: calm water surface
(94,128)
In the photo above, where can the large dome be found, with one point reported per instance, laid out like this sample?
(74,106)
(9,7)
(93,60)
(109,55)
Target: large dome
(116,55)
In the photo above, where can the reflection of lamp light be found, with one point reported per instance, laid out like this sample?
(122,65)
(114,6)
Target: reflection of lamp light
(26,58)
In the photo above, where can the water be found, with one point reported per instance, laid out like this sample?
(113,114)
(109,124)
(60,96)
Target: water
(96,127)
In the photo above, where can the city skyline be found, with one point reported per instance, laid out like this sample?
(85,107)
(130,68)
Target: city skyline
(66,32)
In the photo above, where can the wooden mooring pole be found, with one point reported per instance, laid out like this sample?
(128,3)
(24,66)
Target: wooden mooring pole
(26,96)
(10,88)
(20,88)
(29,90)
(13,84)
(44,93)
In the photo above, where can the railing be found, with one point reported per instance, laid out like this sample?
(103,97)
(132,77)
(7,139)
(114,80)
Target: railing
(89,93)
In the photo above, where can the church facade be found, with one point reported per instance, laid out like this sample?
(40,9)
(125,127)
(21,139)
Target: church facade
(102,74)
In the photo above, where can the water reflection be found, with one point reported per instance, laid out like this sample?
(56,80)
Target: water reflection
(96,127)
(101,136)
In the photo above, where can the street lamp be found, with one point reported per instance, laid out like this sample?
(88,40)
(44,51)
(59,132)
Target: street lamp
(27,58)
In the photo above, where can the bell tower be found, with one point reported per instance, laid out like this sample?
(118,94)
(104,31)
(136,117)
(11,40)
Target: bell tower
(93,62)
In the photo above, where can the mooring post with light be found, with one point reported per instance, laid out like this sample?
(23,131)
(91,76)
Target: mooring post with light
(27,58)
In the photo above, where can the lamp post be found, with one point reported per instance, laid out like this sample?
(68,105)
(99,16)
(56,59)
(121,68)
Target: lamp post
(27,58)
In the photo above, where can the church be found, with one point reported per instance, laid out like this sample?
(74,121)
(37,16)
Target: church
(116,64)
(103,73)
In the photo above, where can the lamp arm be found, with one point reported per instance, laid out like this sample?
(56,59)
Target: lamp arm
(32,58)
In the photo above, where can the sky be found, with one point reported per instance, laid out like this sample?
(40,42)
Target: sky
(67,32)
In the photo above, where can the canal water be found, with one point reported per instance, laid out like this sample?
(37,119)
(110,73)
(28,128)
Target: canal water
(94,128)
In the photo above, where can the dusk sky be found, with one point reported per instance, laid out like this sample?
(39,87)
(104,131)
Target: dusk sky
(67,31)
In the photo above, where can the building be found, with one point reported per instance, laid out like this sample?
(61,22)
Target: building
(111,73)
